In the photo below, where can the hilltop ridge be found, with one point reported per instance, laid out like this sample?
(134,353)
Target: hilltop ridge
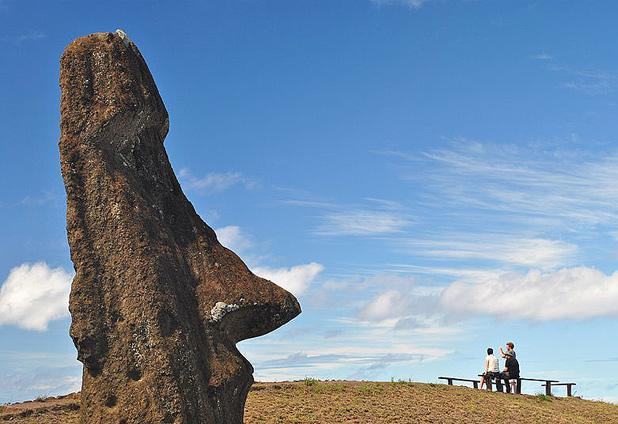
(313,401)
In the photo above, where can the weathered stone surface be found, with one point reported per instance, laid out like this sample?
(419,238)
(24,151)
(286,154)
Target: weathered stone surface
(157,303)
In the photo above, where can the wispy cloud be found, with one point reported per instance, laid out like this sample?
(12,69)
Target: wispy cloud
(600,84)
(214,182)
(416,4)
(33,295)
(373,218)
(22,38)
(584,80)
(498,207)
(50,381)
(497,218)
(542,56)
(498,248)
(363,353)
(476,274)
(43,199)
(359,222)
(531,183)
(366,365)
(613,359)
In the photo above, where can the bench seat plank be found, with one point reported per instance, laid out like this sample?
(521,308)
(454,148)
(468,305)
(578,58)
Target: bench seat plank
(547,385)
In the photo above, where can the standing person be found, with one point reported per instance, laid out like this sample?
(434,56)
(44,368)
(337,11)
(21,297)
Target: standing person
(509,348)
(492,370)
(510,373)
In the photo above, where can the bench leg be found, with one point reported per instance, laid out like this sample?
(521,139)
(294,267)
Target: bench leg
(548,388)
(476,384)
(569,390)
(506,383)
(519,386)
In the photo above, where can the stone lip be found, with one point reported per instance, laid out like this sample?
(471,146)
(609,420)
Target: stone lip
(157,303)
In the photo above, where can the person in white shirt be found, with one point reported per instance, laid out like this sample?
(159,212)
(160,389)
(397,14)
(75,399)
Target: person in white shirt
(492,369)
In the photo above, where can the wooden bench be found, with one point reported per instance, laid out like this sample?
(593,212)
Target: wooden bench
(568,386)
(548,384)
(451,379)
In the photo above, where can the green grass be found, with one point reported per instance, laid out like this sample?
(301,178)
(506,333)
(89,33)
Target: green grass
(310,381)
(542,397)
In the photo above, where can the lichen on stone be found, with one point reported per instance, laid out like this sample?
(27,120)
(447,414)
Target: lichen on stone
(221,309)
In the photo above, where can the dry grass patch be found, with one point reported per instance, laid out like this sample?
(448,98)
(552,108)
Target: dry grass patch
(326,402)
(404,402)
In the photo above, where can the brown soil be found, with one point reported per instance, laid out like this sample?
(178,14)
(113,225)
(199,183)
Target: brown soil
(318,402)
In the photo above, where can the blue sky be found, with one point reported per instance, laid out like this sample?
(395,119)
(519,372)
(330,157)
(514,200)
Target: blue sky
(430,178)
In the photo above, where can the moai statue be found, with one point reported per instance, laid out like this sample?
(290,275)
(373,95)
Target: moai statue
(157,303)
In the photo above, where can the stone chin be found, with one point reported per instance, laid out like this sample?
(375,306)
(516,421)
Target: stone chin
(157,303)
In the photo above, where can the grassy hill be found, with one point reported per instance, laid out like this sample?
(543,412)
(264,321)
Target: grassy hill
(312,401)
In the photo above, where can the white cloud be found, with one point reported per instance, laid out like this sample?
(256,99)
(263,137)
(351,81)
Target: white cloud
(33,295)
(393,301)
(295,279)
(213,182)
(361,222)
(570,293)
(233,238)
(389,304)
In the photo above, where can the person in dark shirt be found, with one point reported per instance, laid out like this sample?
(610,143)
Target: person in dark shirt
(510,372)
(510,347)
